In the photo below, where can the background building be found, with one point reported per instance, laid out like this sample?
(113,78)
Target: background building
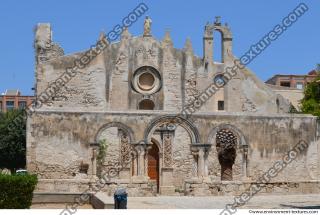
(293,81)
(291,86)
(12,99)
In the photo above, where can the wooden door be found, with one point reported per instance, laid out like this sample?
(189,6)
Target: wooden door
(153,164)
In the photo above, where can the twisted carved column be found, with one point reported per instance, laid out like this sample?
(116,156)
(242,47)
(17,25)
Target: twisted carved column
(125,150)
(167,150)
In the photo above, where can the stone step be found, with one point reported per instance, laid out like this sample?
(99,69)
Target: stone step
(102,201)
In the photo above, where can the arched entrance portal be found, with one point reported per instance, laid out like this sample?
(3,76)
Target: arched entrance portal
(231,152)
(154,164)
(172,135)
(226,147)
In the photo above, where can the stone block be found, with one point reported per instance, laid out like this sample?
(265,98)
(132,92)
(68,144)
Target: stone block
(167,190)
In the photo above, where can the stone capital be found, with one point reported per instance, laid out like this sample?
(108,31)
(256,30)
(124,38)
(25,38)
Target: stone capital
(202,148)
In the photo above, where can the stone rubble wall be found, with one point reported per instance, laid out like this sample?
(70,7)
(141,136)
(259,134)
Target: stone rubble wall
(237,188)
(184,164)
(58,142)
(106,82)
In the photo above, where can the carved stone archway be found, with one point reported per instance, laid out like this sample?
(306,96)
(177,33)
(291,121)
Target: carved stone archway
(166,126)
(172,120)
(120,125)
(126,138)
(240,147)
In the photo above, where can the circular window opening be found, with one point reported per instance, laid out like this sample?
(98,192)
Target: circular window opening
(146,104)
(146,81)
(220,80)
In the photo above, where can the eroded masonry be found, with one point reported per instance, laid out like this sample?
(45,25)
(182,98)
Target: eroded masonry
(130,99)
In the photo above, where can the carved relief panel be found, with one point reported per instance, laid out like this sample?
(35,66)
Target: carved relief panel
(125,150)
(167,150)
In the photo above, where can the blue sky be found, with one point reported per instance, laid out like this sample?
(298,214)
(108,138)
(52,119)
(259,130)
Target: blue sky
(76,26)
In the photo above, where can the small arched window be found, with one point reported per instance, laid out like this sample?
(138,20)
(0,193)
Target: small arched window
(220,80)
(146,104)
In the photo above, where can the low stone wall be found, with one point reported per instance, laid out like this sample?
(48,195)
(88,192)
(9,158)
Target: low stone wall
(191,188)
(62,185)
(40,198)
(137,188)
(237,188)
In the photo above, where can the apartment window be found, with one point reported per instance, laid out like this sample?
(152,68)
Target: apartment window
(299,85)
(10,105)
(220,105)
(285,84)
(22,104)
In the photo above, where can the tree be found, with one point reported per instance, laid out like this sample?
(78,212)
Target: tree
(13,140)
(311,102)
(103,145)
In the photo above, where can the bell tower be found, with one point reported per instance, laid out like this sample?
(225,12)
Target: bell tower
(208,45)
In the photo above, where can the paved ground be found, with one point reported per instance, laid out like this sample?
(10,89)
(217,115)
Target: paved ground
(56,206)
(214,202)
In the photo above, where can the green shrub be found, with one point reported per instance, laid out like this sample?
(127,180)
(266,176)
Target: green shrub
(16,191)
(311,102)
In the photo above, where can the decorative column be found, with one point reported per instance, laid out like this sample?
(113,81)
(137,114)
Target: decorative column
(167,150)
(206,154)
(134,165)
(245,162)
(141,167)
(166,185)
(200,151)
(141,162)
(148,147)
(94,162)
(201,162)
(141,154)
(125,157)
(94,147)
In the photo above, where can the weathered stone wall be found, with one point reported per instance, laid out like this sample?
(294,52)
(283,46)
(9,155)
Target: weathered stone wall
(184,164)
(106,82)
(111,137)
(101,99)
(58,142)
(237,188)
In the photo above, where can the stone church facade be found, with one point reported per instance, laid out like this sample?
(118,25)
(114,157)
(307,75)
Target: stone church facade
(133,98)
